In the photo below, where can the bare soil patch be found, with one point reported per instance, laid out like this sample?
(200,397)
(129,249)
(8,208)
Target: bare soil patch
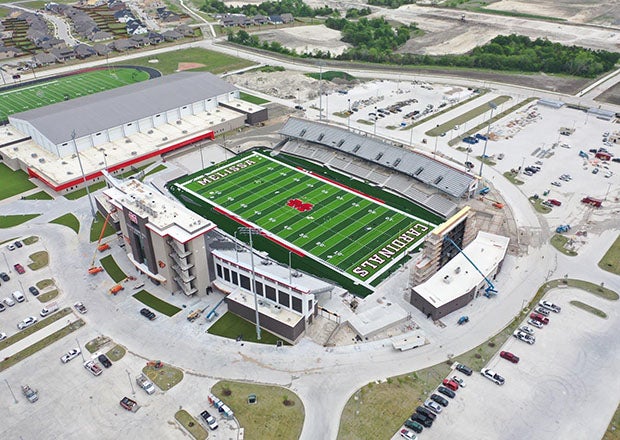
(307,39)
(189,66)
(610,96)
(582,11)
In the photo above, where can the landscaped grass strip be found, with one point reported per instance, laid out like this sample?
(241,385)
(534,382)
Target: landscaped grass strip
(112,268)
(158,304)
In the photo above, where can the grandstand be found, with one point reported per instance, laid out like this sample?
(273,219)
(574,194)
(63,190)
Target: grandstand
(375,161)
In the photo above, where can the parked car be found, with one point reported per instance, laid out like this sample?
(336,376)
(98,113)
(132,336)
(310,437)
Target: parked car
(2,336)
(535,323)
(432,405)
(524,337)
(209,420)
(556,183)
(10,247)
(18,244)
(8,301)
(147,314)
(4,276)
(422,419)
(449,383)
(426,412)
(409,435)
(539,317)
(104,360)
(542,311)
(464,369)
(2,307)
(440,400)
(509,356)
(19,269)
(493,376)
(555,202)
(526,329)
(550,306)
(33,290)
(80,307)
(71,354)
(29,321)
(414,426)
(446,392)
(469,165)
(458,380)
(595,171)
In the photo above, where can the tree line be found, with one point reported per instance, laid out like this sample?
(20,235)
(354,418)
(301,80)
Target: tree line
(296,7)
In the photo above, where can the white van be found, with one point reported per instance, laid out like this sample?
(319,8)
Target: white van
(19,297)
(49,308)
(8,301)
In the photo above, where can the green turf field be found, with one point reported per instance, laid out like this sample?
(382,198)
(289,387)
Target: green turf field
(68,87)
(359,236)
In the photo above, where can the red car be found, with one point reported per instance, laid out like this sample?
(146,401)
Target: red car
(451,384)
(539,317)
(555,202)
(509,356)
(19,269)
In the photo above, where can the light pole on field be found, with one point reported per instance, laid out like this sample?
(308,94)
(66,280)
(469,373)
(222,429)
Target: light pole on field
(77,153)
(484,152)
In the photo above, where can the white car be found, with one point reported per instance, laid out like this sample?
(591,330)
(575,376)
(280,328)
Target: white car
(524,337)
(2,336)
(526,329)
(72,354)
(458,380)
(543,311)
(433,406)
(550,306)
(31,320)
(8,301)
(405,433)
(11,247)
(535,323)
(492,376)
(80,307)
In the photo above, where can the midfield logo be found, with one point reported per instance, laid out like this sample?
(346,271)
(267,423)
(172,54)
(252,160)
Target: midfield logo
(299,205)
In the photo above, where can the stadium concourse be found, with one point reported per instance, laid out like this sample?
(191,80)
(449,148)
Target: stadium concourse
(66,143)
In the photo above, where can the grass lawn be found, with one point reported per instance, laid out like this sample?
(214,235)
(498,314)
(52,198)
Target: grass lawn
(94,344)
(589,308)
(512,177)
(44,284)
(165,377)
(613,430)
(467,116)
(82,192)
(8,221)
(157,169)
(116,353)
(213,62)
(231,326)
(40,345)
(48,296)
(160,305)
(538,206)
(395,399)
(96,227)
(68,220)
(39,260)
(110,266)
(191,425)
(30,240)
(330,75)
(13,182)
(559,241)
(611,260)
(251,98)
(41,195)
(278,413)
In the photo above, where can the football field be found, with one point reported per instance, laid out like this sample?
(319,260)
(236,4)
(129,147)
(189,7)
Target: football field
(358,235)
(37,95)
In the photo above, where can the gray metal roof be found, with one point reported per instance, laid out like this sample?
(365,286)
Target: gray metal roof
(422,168)
(94,113)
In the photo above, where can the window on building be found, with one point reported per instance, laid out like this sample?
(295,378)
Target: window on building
(233,277)
(284,298)
(310,304)
(296,304)
(218,268)
(270,293)
(245,282)
(226,274)
(259,289)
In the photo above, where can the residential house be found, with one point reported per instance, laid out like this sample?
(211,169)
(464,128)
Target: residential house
(287,18)
(84,51)
(123,45)
(101,49)
(63,54)
(275,19)
(229,20)
(185,30)
(51,43)
(155,38)
(134,27)
(9,52)
(124,15)
(260,19)
(141,39)
(100,36)
(172,35)
(44,59)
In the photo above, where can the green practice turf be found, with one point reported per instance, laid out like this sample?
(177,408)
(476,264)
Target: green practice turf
(13,182)
(160,305)
(357,235)
(68,87)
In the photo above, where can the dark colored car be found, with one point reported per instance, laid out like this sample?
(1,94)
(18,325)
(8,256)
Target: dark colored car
(33,290)
(426,412)
(469,165)
(19,269)
(464,369)
(147,313)
(4,276)
(414,426)
(446,392)
(104,361)
(509,356)
(18,244)
(440,400)
(422,419)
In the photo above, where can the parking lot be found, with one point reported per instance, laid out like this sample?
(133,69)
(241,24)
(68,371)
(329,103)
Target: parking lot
(561,387)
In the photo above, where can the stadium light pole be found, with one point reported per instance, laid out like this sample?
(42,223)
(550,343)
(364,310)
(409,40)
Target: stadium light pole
(105,161)
(2,75)
(484,152)
(436,137)
(349,115)
(77,153)
(375,127)
(320,90)
(250,232)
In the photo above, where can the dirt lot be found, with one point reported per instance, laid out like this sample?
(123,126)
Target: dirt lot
(606,13)
(307,39)
(611,95)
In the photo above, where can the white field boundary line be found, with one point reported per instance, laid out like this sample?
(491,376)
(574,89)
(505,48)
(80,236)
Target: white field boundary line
(21,89)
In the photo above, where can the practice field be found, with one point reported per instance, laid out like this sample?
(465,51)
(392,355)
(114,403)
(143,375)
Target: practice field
(20,99)
(360,236)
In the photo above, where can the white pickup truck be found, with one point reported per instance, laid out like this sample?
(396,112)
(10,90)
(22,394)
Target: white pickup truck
(144,383)
(49,309)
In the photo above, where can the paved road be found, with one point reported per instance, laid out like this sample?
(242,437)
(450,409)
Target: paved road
(62,29)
